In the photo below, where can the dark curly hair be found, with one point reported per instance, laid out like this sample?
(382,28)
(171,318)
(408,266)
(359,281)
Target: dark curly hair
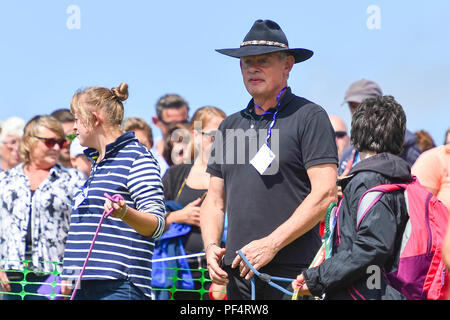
(379,125)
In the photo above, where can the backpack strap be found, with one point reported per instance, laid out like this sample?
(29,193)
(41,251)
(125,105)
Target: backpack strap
(371,197)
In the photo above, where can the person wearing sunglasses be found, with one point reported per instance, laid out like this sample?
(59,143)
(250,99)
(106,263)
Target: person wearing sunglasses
(35,205)
(187,185)
(340,131)
(120,264)
(66,118)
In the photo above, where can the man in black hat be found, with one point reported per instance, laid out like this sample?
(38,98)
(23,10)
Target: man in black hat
(276,194)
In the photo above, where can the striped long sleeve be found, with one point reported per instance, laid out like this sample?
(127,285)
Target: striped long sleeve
(130,170)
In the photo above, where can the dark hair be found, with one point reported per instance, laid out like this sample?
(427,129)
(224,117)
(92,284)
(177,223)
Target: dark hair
(182,130)
(378,125)
(63,115)
(169,101)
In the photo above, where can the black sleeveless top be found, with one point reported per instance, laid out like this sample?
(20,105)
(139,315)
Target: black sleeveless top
(176,189)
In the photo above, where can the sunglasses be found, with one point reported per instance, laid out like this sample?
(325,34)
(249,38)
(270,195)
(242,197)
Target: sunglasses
(173,123)
(340,134)
(50,142)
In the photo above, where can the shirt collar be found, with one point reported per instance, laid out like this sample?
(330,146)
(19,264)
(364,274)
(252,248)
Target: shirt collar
(112,147)
(285,99)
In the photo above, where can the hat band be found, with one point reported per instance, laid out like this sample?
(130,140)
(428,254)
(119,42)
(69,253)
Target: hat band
(264,43)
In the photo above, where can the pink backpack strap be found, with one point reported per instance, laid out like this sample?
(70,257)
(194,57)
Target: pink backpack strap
(371,197)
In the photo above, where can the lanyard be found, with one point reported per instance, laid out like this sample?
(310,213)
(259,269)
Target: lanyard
(274,115)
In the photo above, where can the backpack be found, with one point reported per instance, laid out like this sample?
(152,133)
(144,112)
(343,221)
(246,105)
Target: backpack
(421,272)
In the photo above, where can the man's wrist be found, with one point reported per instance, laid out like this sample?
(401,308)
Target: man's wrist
(209,245)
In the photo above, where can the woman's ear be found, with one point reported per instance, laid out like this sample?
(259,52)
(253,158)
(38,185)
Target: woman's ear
(97,118)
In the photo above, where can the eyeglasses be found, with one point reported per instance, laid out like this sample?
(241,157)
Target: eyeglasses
(50,142)
(340,134)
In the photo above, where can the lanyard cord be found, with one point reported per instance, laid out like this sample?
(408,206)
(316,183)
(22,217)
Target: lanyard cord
(115,198)
(274,115)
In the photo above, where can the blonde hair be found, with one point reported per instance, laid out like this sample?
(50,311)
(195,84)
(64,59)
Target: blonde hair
(203,114)
(31,131)
(108,101)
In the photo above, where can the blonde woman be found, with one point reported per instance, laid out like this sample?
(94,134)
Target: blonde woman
(35,207)
(188,183)
(120,265)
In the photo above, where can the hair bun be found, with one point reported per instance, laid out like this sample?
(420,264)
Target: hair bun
(121,92)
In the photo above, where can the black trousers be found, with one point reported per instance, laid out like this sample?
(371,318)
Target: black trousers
(240,289)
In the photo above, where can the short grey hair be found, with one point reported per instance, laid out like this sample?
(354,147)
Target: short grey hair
(12,126)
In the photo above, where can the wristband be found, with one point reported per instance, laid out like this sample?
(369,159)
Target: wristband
(125,213)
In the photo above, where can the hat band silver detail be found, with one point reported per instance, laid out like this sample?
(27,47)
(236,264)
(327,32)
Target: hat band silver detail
(264,43)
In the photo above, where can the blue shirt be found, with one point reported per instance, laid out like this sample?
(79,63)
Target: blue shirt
(130,170)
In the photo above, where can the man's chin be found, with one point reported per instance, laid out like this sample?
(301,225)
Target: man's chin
(64,158)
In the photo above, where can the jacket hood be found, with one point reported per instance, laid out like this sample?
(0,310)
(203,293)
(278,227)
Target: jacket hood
(386,164)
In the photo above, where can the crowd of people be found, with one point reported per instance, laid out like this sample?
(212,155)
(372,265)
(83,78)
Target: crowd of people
(259,181)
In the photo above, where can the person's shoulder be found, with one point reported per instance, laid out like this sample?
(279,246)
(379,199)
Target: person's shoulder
(134,150)
(231,120)
(432,157)
(306,108)
(437,151)
(359,183)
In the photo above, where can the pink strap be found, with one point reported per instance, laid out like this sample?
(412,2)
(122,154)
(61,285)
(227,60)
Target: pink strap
(115,198)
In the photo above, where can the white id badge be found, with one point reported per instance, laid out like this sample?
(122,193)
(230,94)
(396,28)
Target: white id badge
(79,198)
(263,158)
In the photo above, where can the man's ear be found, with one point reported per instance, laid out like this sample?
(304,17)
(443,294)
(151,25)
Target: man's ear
(290,61)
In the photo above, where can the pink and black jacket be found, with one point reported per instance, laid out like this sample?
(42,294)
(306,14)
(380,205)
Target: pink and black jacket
(361,254)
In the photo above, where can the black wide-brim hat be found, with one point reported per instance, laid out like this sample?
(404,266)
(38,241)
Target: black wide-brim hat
(266,36)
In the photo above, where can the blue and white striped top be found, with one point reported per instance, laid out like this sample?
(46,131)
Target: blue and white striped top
(129,169)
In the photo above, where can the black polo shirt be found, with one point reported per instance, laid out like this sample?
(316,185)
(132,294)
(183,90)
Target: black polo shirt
(302,136)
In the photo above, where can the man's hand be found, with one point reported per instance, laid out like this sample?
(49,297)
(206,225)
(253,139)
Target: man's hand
(214,255)
(258,253)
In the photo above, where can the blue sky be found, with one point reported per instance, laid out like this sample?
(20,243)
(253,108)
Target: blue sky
(161,47)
